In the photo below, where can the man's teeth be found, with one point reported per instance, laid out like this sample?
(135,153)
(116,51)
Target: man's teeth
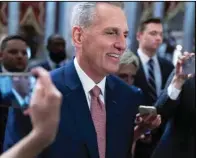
(114,55)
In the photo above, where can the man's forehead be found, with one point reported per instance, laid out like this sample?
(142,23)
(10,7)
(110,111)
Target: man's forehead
(108,12)
(154,26)
(61,41)
(16,43)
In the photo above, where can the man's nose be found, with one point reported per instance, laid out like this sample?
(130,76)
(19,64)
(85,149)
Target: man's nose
(121,43)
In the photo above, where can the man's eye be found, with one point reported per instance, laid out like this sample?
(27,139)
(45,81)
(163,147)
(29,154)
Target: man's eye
(13,51)
(153,33)
(110,33)
(126,35)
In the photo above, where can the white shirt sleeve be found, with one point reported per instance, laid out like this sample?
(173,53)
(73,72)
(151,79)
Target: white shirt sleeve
(173,92)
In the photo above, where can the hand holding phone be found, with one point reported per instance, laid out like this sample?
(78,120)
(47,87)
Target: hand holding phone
(147,119)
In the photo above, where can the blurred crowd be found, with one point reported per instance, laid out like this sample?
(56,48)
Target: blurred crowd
(154,70)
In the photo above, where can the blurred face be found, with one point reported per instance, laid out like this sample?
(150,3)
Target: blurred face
(57,51)
(14,56)
(100,46)
(22,85)
(151,38)
(127,73)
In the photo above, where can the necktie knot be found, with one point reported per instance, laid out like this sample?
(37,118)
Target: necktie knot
(151,62)
(96,91)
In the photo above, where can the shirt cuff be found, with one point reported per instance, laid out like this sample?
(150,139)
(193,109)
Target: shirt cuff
(173,92)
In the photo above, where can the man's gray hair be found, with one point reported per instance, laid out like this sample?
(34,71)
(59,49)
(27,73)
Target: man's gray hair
(129,57)
(83,13)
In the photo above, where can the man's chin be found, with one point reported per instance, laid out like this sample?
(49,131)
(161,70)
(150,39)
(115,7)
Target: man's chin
(113,70)
(18,69)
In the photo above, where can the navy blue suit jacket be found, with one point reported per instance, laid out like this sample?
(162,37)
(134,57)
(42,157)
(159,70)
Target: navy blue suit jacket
(76,137)
(3,120)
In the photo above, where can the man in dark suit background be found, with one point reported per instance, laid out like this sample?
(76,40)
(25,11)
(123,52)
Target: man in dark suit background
(179,138)
(13,57)
(56,57)
(151,76)
(98,109)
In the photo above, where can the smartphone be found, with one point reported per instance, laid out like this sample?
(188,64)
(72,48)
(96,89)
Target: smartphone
(189,66)
(146,110)
(16,89)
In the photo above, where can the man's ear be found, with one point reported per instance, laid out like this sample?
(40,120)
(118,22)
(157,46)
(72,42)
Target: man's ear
(77,35)
(138,35)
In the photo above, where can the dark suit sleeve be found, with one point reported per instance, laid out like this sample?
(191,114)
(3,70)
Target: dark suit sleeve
(165,106)
(17,127)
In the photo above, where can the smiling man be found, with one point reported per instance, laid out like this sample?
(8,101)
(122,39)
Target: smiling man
(98,109)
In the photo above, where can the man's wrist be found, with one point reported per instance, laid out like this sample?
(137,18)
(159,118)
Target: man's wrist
(40,138)
(178,82)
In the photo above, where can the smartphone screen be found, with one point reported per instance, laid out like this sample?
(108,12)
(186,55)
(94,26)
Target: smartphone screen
(189,66)
(16,89)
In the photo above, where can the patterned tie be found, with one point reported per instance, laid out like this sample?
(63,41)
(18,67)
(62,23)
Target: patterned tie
(151,81)
(99,118)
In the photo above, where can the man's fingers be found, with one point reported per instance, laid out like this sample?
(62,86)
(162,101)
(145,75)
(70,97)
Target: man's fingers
(43,76)
(156,122)
(138,120)
(142,136)
(149,118)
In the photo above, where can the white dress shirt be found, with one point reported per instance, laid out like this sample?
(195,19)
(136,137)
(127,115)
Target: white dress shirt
(173,92)
(88,83)
(157,71)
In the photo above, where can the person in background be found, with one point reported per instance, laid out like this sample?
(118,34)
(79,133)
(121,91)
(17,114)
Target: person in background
(13,54)
(179,138)
(151,77)
(13,57)
(129,65)
(44,111)
(57,57)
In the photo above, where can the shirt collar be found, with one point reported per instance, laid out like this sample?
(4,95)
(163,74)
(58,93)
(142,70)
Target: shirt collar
(145,58)
(86,81)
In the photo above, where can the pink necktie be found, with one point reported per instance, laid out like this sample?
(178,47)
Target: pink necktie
(98,113)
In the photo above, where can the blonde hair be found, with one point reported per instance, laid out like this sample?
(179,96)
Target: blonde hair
(129,57)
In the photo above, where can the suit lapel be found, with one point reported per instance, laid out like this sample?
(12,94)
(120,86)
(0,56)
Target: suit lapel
(113,111)
(140,77)
(164,72)
(77,102)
